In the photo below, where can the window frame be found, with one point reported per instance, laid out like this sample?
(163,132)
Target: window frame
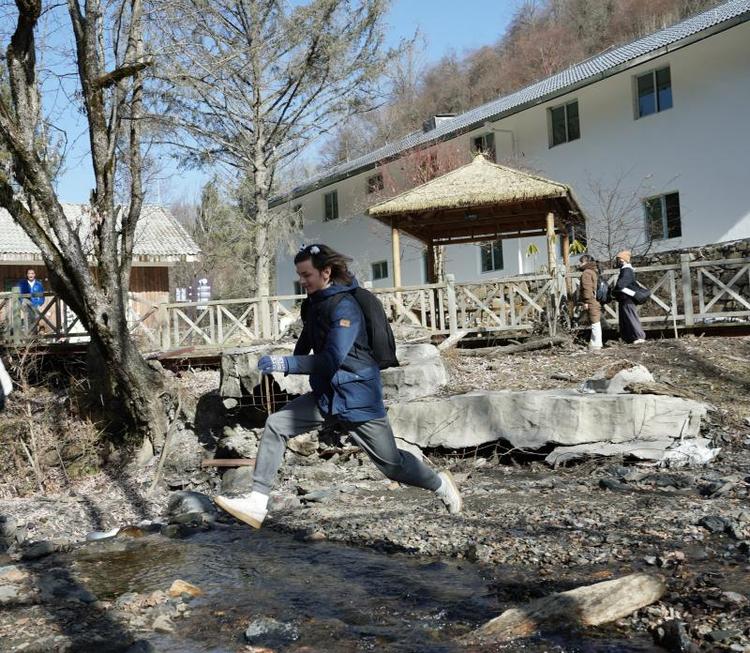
(377,186)
(653,74)
(479,144)
(664,217)
(566,122)
(373,267)
(334,205)
(494,245)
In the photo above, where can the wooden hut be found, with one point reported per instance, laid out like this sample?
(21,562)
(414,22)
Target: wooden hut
(478,202)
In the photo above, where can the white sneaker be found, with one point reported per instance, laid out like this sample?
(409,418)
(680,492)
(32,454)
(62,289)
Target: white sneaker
(640,341)
(449,494)
(242,508)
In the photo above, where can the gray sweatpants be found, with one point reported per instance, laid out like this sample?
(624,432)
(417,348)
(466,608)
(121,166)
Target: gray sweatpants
(375,437)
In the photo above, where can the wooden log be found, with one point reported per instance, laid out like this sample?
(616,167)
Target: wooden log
(531,345)
(590,605)
(228,462)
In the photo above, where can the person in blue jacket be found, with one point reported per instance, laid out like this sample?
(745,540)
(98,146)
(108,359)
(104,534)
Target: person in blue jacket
(346,390)
(31,286)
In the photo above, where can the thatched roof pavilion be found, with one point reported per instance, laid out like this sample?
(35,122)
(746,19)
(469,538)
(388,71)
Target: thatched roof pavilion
(478,202)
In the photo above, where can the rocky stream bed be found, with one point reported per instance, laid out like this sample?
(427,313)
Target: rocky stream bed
(350,562)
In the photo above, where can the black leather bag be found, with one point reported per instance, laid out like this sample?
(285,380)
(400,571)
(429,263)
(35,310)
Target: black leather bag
(641,295)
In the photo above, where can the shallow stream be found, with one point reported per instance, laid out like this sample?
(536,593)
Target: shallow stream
(329,597)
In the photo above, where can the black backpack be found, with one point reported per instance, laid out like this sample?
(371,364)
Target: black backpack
(379,333)
(603,291)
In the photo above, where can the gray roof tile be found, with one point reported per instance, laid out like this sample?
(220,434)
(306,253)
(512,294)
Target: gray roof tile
(159,237)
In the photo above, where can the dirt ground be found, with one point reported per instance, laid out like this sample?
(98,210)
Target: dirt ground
(536,530)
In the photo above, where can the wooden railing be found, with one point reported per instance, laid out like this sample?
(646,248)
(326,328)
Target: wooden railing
(685,294)
(54,321)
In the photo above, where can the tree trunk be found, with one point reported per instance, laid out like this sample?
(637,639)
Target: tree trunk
(130,381)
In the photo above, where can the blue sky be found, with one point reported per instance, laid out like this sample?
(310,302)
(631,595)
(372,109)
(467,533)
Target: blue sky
(445,25)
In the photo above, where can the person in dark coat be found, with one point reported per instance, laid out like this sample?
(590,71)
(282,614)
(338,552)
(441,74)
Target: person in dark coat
(631,330)
(346,390)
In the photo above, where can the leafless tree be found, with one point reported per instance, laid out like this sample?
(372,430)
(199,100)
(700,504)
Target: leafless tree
(616,216)
(249,84)
(90,273)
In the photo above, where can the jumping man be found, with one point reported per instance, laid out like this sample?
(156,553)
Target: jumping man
(346,390)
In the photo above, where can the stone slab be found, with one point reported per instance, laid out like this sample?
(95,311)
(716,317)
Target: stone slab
(535,418)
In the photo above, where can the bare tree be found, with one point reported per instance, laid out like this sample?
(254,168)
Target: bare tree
(617,219)
(91,272)
(250,83)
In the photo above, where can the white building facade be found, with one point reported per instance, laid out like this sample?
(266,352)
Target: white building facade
(653,137)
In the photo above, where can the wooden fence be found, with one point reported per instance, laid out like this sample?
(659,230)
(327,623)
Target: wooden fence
(685,294)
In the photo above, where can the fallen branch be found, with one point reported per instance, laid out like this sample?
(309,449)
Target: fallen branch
(228,462)
(590,605)
(532,345)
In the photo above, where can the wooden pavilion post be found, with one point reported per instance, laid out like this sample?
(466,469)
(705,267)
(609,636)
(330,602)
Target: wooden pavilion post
(566,258)
(551,258)
(431,262)
(396,253)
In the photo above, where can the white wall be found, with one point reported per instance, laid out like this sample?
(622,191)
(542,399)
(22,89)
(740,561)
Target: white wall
(699,148)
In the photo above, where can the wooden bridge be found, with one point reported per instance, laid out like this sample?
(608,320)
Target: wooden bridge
(685,295)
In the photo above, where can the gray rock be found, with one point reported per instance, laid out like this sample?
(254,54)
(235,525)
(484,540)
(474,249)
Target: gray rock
(9,594)
(39,550)
(163,624)
(270,632)
(319,496)
(237,481)
(672,636)
(185,506)
(639,449)
(240,375)
(534,418)
(421,373)
(238,442)
(185,452)
(713,523)
(8,527)
(304,445)
(613,378)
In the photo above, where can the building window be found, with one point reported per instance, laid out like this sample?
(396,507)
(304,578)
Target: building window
(331,202)
(380,270)
(654,92)
(663,216)
(375,183)
(484,144)
(563,124)
(491,255)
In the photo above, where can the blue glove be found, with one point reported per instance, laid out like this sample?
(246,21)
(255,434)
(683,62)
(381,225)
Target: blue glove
(271,364)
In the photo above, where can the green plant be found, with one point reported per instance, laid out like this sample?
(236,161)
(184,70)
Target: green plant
(577,247)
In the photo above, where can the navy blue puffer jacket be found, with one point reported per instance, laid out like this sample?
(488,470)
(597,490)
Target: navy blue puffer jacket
(344,376)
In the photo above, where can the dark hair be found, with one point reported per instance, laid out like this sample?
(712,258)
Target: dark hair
(321,256)
(586,258)
(30,269)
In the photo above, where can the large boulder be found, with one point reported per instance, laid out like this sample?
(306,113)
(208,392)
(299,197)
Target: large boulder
(421,373)
(240,375)
(535,418)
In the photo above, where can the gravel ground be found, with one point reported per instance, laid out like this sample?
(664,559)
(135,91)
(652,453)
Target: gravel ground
(537,530)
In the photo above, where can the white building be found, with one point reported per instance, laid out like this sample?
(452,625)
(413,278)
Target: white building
(659,125)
